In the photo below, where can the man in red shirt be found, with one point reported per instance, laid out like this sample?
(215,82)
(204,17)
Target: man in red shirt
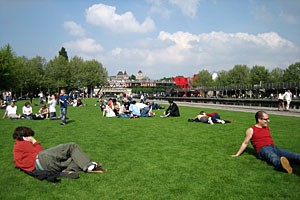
(66,158)
(261,140)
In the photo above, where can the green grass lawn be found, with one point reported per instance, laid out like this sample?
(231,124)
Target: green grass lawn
(154,158)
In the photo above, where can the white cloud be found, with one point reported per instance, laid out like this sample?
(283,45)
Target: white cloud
(183,53)
(289,18)
(188,7)
(74,29)
(106,16)
(84,45)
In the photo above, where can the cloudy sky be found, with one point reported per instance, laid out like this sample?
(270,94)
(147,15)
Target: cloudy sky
(159,37)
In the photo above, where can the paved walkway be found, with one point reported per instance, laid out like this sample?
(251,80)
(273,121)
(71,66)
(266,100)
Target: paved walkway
(249,109)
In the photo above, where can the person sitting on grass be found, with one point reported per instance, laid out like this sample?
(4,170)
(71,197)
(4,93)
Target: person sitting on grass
(147,111)
(262,141)
(172,111)
(135,111)
(11,111)
(27,111)
(124,111)
(66,159)
(107,111)
(44,112)
(209,118)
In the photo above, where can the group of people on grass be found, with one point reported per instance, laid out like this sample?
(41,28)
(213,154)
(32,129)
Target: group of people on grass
(68,160)
(129,109)
(44,112)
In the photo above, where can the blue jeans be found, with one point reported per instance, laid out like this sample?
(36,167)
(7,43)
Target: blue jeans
(145,112)
(272,155)
(215,117)
(63,114)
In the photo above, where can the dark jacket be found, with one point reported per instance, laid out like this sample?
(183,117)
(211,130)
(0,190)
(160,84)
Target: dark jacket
(173,110)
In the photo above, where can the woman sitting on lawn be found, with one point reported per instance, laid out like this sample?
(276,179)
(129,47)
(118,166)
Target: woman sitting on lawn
(107,111)
(124,111)
(27,111)
(44,112)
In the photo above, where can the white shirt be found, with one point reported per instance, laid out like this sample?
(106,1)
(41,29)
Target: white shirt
(280,96)
(27,110)
(288,96)
(140,105)
(52,105)
(11,110)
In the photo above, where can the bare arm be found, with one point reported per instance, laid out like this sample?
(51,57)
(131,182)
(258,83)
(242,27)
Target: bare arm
(248,136)
(5,114)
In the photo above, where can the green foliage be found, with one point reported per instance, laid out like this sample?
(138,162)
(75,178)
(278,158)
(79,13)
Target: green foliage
(7,67)
(259,74)
(154,158)
(292,73)
(132,77)
(204,78)
(63,53)
(223,78)
(276,75)
(239,75)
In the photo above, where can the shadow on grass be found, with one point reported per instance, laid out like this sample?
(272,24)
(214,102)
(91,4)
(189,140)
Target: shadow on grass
(250,151)
(70,121)
(296,169)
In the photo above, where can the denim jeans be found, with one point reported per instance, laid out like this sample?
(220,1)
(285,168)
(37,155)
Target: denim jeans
(272,155)
(145,112)
(63,114)
(215,118)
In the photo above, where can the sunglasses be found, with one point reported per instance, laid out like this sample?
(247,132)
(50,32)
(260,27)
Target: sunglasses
(266,119)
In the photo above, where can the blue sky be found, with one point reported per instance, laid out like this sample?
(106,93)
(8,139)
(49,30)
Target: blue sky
(159,37)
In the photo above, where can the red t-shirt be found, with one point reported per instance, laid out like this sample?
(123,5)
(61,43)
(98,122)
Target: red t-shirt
(210,115)
(261,137)
(25,154)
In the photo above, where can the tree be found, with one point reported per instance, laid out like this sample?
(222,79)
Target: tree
(258,74)
(292,73)
(203,78)
(7,66)
(58,73)
(276,75)
(223,78)
(63,53)
(239,75)
(132,77)
(93,74)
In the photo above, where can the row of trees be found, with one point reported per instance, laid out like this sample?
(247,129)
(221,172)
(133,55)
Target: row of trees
(23,75)
(243,75)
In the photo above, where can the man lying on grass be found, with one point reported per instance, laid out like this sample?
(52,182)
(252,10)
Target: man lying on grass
(209,118)
(66,159)
(261,140)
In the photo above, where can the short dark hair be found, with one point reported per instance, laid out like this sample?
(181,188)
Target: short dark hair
(201,112)
(259,115)
(133,102)
(27,103)
(22,131)
(170,101)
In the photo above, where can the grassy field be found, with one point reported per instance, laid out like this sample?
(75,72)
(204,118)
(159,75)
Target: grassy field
(155,158)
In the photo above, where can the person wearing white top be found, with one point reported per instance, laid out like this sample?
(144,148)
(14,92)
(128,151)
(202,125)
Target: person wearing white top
(52,106)
(27,111)
(107,111)
(280,101)
(11,112)
(288,97)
